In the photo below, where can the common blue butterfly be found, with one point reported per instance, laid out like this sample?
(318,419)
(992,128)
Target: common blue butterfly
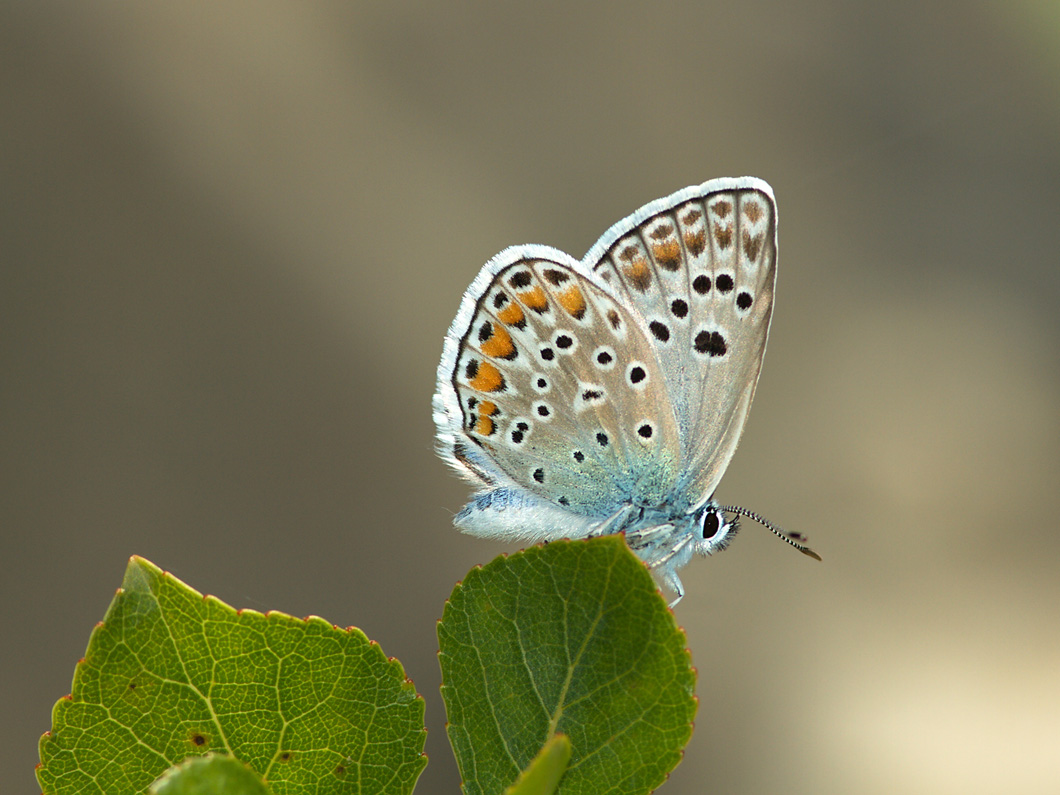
(608,395)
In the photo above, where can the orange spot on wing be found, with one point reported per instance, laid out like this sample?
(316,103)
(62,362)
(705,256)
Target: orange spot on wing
(535,298)
(499,345)
(573,301)
(483,423)
(487,378)
(695,241)
(511,315)
(639,274)
(667,254)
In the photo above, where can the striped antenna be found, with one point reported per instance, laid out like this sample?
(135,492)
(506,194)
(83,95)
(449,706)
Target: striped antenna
(792,538)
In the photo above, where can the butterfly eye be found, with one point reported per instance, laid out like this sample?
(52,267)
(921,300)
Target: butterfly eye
(711,524)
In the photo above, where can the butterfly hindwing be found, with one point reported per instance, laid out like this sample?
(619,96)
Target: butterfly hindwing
(558,387)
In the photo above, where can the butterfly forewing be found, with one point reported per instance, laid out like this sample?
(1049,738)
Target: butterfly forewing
(558,384)
(700,272)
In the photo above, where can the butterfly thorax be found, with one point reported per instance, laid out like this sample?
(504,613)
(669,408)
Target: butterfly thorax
(658,533)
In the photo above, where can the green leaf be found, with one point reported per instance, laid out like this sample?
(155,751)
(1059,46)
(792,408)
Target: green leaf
(170,674)
(571,637)
(544,773)
(209,775)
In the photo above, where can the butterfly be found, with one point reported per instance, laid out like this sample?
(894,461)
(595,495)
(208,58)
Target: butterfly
(608,395)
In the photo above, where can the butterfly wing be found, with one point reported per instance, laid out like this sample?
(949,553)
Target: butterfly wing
(548,385)
(699,269)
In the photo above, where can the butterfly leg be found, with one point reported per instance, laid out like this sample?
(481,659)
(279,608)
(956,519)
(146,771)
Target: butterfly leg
(650,540)
(664,554)
(672,580)
(612,523)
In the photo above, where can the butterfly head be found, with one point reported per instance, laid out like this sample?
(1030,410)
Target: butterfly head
(713,530)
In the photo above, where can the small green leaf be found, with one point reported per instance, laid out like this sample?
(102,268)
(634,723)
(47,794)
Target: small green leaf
(170,674)
(570,637)
(544,773)
(210,775)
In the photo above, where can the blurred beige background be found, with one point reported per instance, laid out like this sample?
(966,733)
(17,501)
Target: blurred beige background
(233,237)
